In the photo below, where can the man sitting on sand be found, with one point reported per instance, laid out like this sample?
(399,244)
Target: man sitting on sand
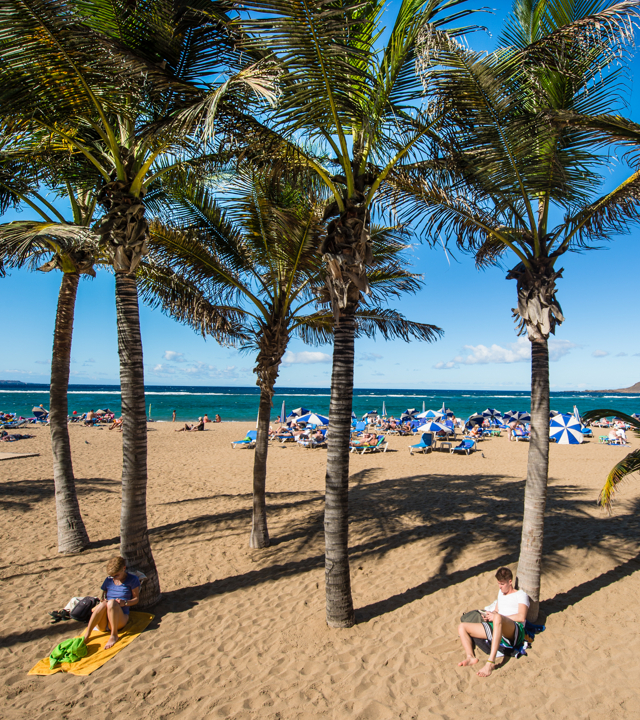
(120,591)
(502,621)
(192,428)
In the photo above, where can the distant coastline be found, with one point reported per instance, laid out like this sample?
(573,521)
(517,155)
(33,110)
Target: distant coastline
(11,383)
(623,391)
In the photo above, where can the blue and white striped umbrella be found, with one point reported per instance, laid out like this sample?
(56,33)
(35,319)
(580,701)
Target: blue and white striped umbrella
(492,413)
(566,430)
(429,414)
(283,413)
(314,419)
(433,427)
(518,415)
(298,412)
(384,409)
(576,414)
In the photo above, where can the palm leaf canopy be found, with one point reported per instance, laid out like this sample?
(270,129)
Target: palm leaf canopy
(509,171)
(122,83)
(343,88)
(253,250)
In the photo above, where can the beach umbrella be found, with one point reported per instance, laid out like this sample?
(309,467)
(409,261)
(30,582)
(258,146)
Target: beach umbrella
(283,416)
(553,413)
(517,415)
(576,414)
(423,406)
(371,413)
(384,409)
(429,414)
(447,412)
(491,413)
(433,427)
(314,419)
(408,414)
(476,419)
(566,430)
(298,412)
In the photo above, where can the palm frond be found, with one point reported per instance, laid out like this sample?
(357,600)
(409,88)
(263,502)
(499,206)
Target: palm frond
(628,465)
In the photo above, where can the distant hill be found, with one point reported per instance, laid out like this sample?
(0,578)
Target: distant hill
(11,382)
(633,389)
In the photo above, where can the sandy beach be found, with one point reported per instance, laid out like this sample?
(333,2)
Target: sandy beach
(240,633)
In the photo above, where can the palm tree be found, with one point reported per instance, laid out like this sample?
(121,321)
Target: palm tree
(509,173)
(126,87)
(621,470)
(258,263)
(359,104)
(73,250)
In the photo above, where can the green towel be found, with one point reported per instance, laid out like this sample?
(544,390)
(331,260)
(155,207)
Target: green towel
(68,651)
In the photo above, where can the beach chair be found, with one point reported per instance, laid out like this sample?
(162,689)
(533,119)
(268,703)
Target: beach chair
(380,446)
(587,432)
(466,446)
(521,434)
(425,445)
(360,427)
(248,442)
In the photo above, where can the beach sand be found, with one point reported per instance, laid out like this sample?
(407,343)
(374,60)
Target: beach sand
(241,633)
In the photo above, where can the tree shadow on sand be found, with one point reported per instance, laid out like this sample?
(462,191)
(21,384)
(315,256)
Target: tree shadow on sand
(454,512)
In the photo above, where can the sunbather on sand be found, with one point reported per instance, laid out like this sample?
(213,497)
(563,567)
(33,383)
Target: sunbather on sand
(116,424)
(192,428)
(6,437)
(504,620)
(120,591)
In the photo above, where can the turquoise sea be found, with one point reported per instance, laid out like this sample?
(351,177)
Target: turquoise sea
(234,403)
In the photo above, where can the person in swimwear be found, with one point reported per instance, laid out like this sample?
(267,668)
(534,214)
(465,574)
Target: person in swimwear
(502,621)
(120,591)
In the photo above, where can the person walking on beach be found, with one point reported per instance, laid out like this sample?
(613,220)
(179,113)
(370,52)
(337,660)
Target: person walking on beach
(173,417)
(502,622)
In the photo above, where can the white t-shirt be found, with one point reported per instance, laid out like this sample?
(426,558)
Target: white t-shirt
(508,604)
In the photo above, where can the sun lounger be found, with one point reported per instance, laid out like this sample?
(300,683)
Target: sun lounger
(248,442)
(520,434)
(466,446)
(380,446)
(425,445)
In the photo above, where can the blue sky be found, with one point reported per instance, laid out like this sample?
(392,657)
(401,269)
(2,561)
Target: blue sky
(597,346)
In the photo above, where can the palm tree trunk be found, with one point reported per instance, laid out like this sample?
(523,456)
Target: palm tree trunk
(134,535)
(535,499)
(72,534)
(259,531)
(336,515)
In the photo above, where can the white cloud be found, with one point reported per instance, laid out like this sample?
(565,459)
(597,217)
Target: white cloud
(519,351)
(559,348)
(305,358)
(622,354)
(173,356)
(42,362)
(370,357)
(599,353)
(89,361)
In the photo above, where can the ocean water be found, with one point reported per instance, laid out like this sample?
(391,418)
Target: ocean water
(242,403)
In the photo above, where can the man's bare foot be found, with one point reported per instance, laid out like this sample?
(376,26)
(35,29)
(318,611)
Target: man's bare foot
(469,660)
(111,642)
(486,670)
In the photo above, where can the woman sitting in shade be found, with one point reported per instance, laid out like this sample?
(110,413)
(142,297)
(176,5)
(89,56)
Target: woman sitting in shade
(120,591)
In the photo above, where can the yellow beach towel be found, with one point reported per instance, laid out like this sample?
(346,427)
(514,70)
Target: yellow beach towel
(97,655)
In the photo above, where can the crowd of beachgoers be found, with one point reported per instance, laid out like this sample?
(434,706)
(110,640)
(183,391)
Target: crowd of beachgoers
(309,429)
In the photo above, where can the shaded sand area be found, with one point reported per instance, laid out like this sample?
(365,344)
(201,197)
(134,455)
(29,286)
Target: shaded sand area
(241,633)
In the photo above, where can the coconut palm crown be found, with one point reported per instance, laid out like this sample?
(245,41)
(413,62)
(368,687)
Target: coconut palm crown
(516,183)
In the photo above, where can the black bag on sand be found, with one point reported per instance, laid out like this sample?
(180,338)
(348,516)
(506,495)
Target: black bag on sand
(82,611)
